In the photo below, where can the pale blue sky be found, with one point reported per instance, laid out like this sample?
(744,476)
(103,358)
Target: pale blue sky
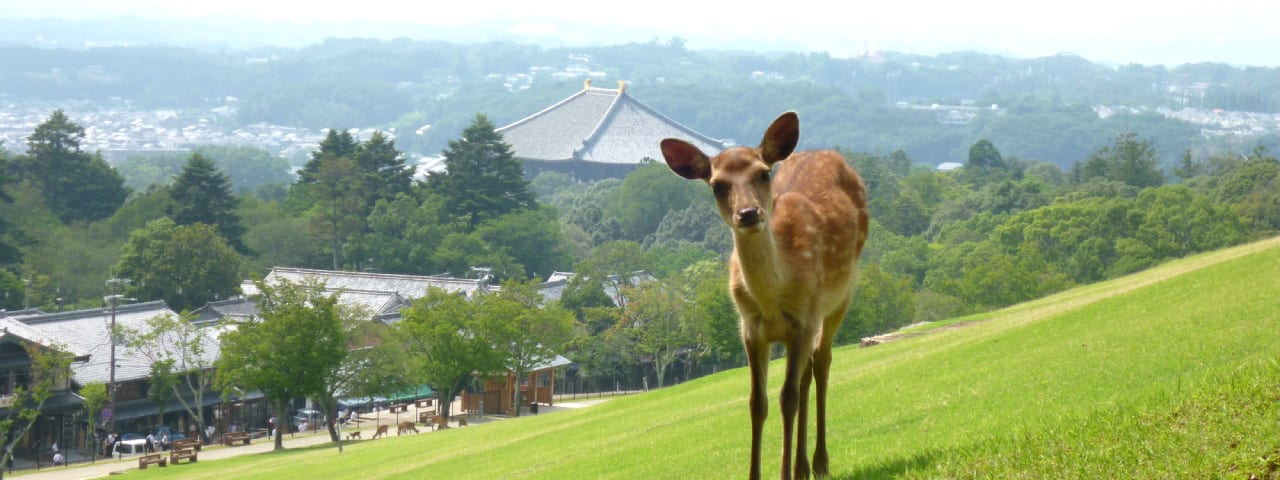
(1116,31)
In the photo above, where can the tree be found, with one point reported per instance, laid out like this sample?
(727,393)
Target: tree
(483,178)
(337,208)
(160,386)
(180,354)
(50,369)
(95,396)
(9,235)
(529,331)
(374,366)
(610,266)
(654,321)
(202,194)
(530,237)
(448,342)
(648,195)
(75,185)
(385,173)
(1128,160)
(983,155)
(712,310)
(285,354)
(186,265)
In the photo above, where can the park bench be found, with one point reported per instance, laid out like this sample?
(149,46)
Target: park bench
(229,439)
(152,459)
(187,443)
(188,454)
(401,408)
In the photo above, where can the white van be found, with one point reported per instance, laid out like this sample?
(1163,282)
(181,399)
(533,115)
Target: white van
(125,448)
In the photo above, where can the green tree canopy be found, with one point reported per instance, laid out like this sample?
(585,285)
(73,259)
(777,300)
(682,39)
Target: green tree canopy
(448,341)
(185,265)
(483,178)
(202,194)
(300,336)
(76,185)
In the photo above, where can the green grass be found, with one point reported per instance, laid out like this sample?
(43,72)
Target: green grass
(1170,373)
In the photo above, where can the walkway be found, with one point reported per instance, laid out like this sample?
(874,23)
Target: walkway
(368,425)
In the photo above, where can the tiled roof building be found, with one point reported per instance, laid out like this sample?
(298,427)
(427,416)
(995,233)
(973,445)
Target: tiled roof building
(596,133)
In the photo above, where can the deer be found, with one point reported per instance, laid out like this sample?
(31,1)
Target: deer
(405,427)
(799,221)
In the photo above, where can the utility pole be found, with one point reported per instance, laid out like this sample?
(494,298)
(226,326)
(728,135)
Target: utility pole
(113,300)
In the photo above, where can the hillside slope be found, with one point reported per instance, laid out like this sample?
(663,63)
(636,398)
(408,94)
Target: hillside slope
(1167,373)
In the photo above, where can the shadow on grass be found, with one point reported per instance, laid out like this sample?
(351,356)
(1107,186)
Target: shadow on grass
(891,469)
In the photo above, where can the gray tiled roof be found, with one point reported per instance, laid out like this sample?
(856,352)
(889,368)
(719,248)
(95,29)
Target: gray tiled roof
(599,125)
(407,286)
(86,332)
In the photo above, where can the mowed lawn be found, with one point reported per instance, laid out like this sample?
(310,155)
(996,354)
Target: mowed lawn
(1169,373)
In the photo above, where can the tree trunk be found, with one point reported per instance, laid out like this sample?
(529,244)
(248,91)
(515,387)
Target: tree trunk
(281,405)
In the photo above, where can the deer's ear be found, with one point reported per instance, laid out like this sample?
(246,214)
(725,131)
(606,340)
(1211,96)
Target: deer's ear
(781,138)
(686,160)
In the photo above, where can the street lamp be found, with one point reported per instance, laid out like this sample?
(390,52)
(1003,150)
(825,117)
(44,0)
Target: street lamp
(113,300)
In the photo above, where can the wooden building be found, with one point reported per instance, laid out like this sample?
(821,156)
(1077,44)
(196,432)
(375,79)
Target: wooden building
(496,394)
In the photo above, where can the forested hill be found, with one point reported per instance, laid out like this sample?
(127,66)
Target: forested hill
(930,107)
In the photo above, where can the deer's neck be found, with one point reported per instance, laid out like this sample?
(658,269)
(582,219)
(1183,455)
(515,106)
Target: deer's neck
(760,263)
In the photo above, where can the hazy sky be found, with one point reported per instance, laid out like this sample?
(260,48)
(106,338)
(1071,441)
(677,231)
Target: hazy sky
(1171,32)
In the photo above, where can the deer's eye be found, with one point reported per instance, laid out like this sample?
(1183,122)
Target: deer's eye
(764,176)
(720,189)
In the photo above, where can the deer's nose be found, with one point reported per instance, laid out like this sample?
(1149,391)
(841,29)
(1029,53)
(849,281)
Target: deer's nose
(749,217)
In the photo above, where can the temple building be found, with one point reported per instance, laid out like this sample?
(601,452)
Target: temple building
(596,133)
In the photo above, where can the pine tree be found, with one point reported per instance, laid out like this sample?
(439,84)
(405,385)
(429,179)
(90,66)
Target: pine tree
(202,194)
(385,174)
(483,178)
(76,185)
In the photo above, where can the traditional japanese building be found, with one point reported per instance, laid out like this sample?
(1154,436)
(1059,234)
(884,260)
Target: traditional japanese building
(596,133)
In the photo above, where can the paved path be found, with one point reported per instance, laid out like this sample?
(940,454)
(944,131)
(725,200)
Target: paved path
(367,428)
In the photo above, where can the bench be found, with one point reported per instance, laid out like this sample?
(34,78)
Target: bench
(188,454)
(426,403)
(230,439)
(187,443)
(152,459)
(402,408)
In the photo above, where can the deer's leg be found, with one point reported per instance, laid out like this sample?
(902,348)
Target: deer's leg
(758,361)
(802,423)
(799,350)
(821,373)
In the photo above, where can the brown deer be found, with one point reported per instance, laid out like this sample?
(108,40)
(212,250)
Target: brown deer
(405,427)
(382,432)
(798,229)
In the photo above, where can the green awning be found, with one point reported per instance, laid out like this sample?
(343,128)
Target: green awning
(422,391)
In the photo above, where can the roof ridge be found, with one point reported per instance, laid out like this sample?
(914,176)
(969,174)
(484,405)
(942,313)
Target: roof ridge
(529,118)
(93,312)
(608,114)
(691,132)
(333,273)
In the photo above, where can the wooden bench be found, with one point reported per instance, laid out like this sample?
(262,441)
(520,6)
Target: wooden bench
(229,439)
(402,408)
(188,454)
(152,459)
(187,443)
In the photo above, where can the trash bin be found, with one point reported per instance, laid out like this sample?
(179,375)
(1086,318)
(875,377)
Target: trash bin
(533,408)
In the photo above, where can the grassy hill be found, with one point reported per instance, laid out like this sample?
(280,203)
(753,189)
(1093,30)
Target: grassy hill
(1170,373)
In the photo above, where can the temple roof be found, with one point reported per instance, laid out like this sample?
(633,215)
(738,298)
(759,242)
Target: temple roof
(599,125)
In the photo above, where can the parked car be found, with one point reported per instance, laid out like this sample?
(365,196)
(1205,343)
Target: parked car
(308,417)
(174,434)
(135,446)
(124,437)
